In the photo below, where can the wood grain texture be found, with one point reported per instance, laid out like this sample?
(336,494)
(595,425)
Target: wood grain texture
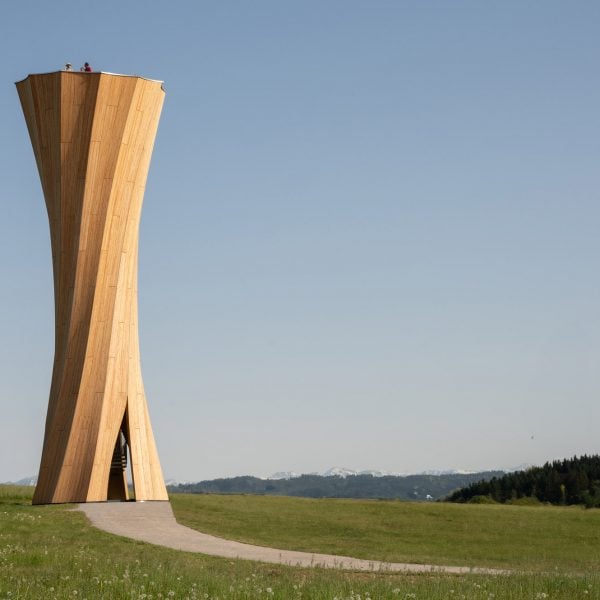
(92,136)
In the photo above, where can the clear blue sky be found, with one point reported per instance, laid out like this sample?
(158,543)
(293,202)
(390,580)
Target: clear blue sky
(370,236)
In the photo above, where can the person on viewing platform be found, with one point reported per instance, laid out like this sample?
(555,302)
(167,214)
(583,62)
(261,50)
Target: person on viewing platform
(86,67)
(68,67)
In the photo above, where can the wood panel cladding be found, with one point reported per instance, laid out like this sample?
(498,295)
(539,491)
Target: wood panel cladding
(92,136)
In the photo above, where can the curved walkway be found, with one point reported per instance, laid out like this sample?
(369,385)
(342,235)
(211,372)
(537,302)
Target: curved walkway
(154,522)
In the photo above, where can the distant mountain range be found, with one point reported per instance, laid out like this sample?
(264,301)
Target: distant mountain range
(32,480)
(338,482)
(341,484)
(344,472)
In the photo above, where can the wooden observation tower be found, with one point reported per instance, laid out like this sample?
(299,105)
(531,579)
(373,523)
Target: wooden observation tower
(92,136)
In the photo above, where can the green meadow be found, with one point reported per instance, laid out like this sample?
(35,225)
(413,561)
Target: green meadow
(527,538)
(52,552)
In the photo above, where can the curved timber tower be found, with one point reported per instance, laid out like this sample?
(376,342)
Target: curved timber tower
(92,136)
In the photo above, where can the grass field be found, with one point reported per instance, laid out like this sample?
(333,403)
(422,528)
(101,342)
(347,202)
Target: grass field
(542,538)
(51,552)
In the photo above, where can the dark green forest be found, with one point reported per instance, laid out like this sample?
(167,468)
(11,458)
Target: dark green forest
(410,487)
(562,482)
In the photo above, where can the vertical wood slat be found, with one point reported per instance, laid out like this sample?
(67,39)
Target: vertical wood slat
(92,136)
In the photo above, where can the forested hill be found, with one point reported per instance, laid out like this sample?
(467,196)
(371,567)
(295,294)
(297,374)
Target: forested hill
(410,487)
(569,481)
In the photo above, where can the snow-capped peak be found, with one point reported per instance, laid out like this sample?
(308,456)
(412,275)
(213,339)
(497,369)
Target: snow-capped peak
(284,475)
(339,472)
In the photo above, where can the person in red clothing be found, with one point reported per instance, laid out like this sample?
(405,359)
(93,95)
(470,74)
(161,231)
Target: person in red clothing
(86,67)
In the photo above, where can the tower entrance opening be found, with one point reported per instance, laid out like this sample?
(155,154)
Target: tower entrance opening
(117,478)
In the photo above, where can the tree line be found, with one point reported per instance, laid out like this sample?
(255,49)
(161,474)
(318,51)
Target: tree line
(410,487)
(562,482)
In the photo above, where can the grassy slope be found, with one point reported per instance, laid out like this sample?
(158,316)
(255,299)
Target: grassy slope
(51,552)
(519,537)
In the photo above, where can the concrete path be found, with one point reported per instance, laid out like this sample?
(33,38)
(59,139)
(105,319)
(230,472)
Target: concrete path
(154,522)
